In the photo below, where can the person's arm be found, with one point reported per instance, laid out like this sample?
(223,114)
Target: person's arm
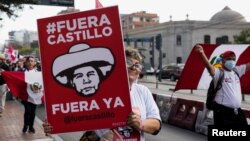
(248,66)
(151,126)
(47,127)
(210,68)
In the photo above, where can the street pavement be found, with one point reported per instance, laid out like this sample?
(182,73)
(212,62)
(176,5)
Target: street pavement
(173,133)
(11,123)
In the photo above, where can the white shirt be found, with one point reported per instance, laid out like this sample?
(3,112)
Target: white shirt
(141,98)
(33,70)
(31,77)
(230,93)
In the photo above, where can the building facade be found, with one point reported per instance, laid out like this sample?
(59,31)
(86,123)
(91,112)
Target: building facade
(138,19)
(179,37)
(22,38)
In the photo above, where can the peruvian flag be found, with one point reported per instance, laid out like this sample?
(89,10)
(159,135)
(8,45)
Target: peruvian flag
(12,54)
(25,85)
(195,75)
(98,4)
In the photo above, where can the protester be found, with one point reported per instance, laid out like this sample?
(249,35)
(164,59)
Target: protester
(30,108)
(20,65)
(144,118)
(228,99)
(3,86)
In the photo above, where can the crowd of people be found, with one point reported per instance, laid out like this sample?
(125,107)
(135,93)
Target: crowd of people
(145,116)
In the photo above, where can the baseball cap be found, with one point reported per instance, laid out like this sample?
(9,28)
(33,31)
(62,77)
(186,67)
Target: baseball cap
(227,54)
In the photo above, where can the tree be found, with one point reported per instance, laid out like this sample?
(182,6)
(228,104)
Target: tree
(37,52)
(12,7)
(25,51)
(243,38)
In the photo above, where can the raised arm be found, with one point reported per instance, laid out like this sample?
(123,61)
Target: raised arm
(210,68)
(248,66)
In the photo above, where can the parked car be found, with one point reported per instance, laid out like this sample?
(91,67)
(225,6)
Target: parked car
(171,71)
(143,72)
(146,69)
(149,69)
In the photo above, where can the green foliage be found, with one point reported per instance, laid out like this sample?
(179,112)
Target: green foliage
(243,38)
(25,51)
(37,50)
(12,7)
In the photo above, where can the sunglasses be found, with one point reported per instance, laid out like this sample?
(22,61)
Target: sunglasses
(132,65)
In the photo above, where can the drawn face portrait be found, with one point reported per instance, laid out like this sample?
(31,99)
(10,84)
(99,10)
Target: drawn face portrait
(91,66)
(86,80)
(125,131)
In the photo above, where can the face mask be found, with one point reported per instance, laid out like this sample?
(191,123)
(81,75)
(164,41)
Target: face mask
(230,64)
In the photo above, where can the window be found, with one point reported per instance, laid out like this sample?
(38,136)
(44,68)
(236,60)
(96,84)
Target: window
(163,55)
(178,40)
(222,40)
(207,39)
(178,60)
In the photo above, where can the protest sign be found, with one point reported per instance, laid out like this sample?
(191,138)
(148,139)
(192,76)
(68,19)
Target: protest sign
(84,70)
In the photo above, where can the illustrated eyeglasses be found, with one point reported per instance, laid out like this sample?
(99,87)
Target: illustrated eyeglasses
(132,65)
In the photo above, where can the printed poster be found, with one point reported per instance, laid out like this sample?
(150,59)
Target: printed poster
(84,70)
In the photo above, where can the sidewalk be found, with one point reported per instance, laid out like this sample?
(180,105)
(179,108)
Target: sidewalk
(11,124)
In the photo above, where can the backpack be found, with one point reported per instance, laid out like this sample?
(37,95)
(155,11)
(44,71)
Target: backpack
(212,89)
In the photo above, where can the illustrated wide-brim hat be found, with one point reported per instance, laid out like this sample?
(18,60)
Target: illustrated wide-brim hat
(79,55)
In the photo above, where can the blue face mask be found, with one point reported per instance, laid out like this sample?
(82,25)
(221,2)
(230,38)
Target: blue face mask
(230,64)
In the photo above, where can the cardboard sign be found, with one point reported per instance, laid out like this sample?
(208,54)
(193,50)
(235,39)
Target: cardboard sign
(84,70)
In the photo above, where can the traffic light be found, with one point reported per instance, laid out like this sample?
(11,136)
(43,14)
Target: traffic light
(158,41)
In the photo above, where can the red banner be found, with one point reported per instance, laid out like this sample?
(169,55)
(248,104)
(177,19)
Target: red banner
(25,85)
(98,4)
(84,70)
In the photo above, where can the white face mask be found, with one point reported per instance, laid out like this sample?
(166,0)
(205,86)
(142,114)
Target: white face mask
(230,64)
